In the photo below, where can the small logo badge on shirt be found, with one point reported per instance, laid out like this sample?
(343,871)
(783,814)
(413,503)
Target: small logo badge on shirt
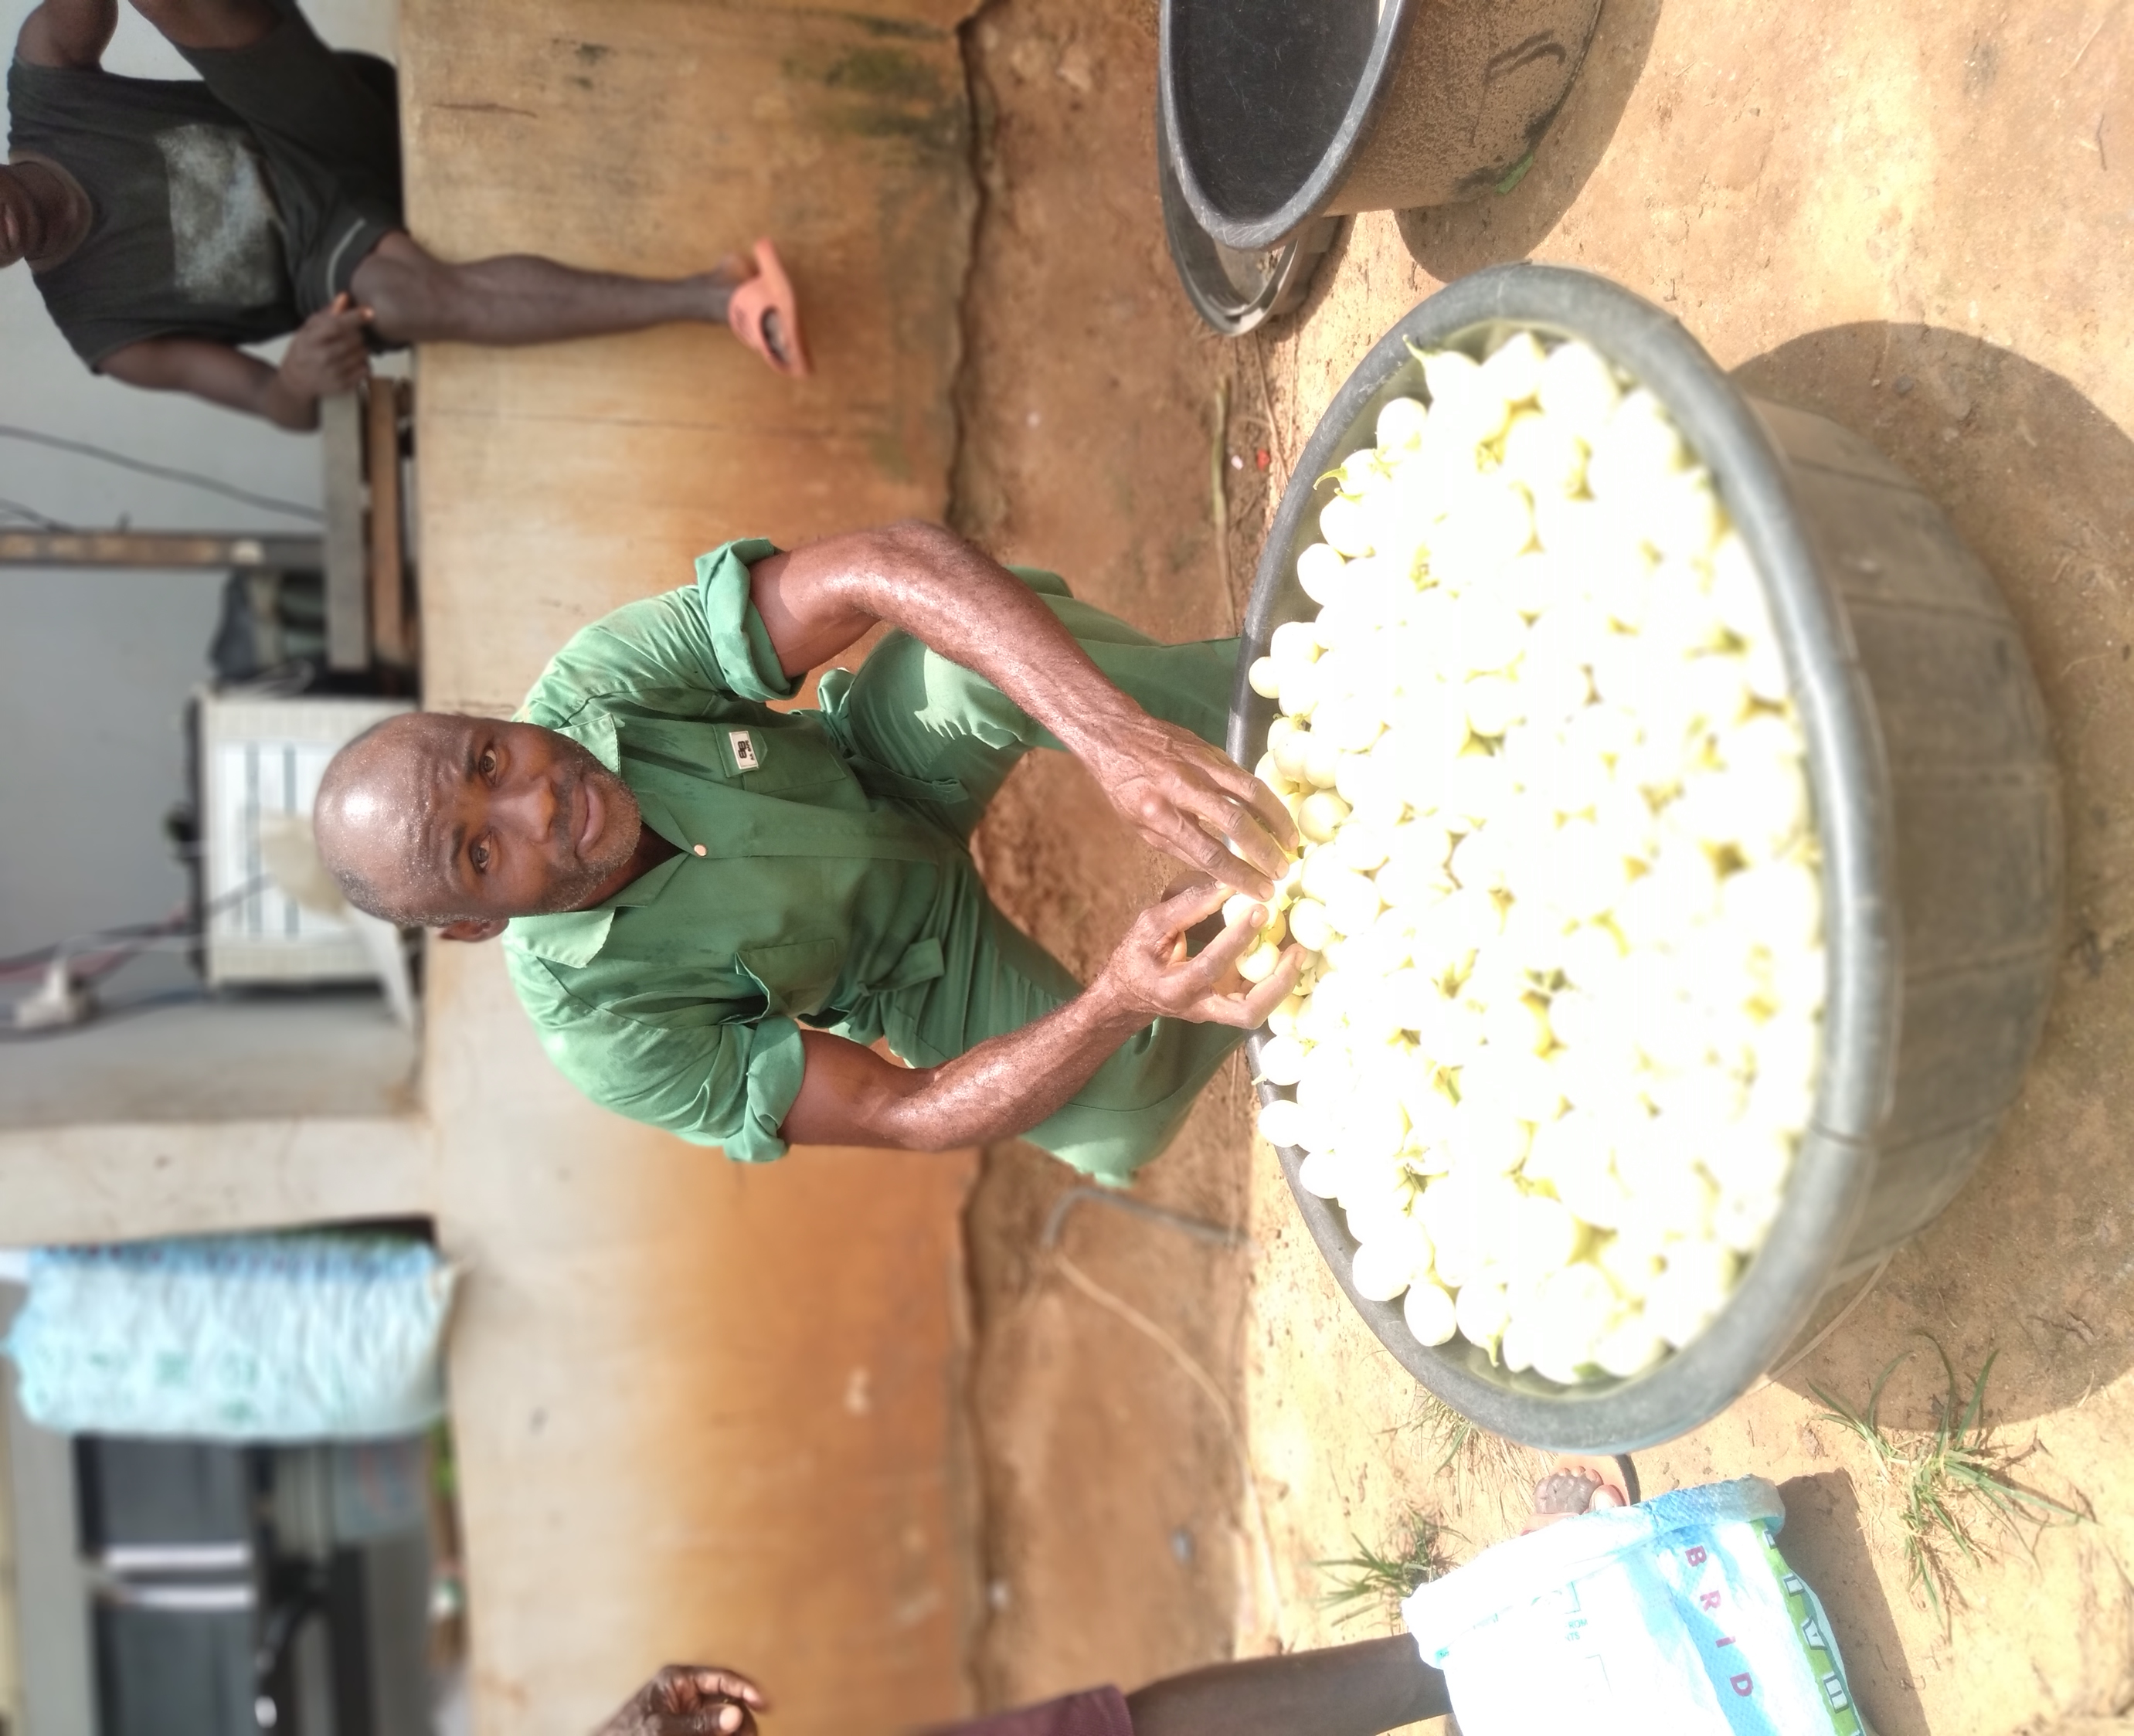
(744,749)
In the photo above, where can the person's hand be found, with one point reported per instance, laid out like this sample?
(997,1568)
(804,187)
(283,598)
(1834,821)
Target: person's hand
(1150,973)
(327,354)
(1186,799)
(691,1699)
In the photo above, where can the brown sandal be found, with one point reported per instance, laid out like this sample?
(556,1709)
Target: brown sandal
(769,291)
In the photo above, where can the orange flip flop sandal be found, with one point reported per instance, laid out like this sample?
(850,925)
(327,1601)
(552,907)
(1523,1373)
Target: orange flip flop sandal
(770,291)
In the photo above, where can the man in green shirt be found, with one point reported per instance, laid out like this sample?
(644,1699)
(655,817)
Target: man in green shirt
(710,909)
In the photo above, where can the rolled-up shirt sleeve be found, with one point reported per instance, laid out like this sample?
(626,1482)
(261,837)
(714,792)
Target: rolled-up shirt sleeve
(729,1084)
(740,641)
(705,639)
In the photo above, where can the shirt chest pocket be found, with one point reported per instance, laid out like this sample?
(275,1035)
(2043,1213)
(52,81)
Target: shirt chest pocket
(775,760)
(796,977)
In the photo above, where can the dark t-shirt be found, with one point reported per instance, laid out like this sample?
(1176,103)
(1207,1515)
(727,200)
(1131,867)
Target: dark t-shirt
(187,236)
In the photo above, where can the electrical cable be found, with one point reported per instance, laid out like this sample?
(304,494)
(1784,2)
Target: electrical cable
(104,1015)
(100,965)
(126,939)
(29,964)
(165,473)
(30,515)
(146,937)
(104,940)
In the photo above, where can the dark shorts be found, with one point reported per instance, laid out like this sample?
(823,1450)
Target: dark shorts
(329,125)
(1092,1712)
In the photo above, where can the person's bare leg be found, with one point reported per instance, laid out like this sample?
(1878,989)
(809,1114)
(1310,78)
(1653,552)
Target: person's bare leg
(1342,1690)
(1351,1690)
(210,23)
(520,298)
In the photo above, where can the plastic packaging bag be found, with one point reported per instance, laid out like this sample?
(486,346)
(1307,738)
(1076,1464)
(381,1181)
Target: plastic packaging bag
(312,1337)
(1678,1614)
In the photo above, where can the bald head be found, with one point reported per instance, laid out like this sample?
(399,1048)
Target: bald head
(436,820)
(367,820)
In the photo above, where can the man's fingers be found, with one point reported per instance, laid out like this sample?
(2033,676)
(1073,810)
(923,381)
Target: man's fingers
(1245,838)
(733,1684)
(1234,781)
(1249,1011)
(1268,806)
(336,320)
(1264,997)
(1220,955)
(1178,911)
(1197,847)
(1248,836)
(1218,765)
(336,316)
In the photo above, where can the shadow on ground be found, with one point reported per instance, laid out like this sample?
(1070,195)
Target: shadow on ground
(1449,241)
(1825,1542)
(2035,1257)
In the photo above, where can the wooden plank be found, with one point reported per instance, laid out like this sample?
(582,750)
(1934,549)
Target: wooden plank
(347,577)
(388,611)
(180,549)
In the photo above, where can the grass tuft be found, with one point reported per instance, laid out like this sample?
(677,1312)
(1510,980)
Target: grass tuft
(1477,1461)
(1946,1479)
(1370,1580)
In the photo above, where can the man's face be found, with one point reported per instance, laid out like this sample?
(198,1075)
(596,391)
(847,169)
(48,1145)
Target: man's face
(481,820)
(22,226)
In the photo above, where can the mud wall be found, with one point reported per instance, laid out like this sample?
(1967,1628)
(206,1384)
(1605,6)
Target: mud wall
(704,1412)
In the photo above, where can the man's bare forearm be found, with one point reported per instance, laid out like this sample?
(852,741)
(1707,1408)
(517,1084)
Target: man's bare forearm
(1181,795)
(850,1095)
(957,599)
(1004,1086)
(217,373)
(284,407)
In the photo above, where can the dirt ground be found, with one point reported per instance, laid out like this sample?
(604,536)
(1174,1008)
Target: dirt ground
(1915,217)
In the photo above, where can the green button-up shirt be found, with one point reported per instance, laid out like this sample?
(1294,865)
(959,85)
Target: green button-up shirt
(798,893)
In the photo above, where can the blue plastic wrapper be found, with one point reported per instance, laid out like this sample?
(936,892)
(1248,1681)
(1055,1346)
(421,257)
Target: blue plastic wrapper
(275,1338)
(1676,1614)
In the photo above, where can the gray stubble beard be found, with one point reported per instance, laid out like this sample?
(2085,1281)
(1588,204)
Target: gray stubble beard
(572,890)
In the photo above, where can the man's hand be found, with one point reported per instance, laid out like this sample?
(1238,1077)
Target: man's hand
(1007,1085)
(327,354)
(1186,799)
(1181,795)
(1151,974)
(691,1699)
